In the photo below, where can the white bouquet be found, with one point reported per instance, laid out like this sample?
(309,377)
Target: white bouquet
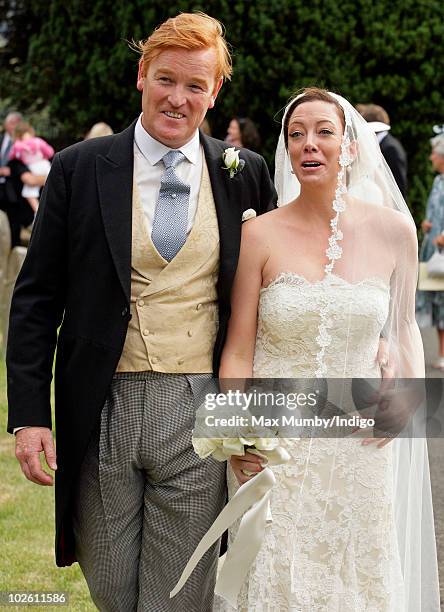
(251,501)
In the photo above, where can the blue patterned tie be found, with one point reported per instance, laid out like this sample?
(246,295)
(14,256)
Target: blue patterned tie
(170,222)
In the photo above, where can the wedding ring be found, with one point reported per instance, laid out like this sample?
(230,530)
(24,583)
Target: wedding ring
(248,473)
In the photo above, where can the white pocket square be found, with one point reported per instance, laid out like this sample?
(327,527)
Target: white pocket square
(250,213)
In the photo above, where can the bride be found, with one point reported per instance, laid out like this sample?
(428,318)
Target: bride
(322,284)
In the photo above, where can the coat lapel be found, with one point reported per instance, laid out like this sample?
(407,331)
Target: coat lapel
(115,185)
(227,195)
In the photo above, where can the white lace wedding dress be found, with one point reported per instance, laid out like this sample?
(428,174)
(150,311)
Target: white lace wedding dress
(331,546)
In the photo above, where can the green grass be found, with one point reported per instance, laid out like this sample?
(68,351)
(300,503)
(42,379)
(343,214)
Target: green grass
(27,560)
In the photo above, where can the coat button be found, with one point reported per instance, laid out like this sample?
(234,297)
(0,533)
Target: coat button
(199,306)
(180,362)
(190,333)
(124,312)
(141,303)
(146,332)
(154,360)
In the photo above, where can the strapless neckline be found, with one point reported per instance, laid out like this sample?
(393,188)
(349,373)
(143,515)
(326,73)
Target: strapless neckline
(294,278)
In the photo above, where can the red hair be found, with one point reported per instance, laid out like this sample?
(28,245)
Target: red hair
(188,31)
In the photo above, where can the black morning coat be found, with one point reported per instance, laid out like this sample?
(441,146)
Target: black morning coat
(77,276)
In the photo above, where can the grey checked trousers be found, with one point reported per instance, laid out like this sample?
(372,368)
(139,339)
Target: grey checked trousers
(144,499)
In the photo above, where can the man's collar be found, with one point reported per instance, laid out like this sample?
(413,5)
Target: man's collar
(153,150)
(379,126)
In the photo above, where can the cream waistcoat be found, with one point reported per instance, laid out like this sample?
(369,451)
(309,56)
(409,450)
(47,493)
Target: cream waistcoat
(174,305)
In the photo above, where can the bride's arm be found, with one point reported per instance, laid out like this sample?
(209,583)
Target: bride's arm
(404,333)
(237,355)
(238,352)
(401,338)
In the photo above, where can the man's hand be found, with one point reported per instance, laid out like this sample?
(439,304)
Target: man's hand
(248,462)
(5,171)
(386,362)
(29,443)
(426,226)
(439,241)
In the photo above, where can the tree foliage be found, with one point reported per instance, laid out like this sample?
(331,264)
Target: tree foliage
(75,59)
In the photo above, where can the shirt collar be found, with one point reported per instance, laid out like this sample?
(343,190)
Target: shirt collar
(153,150)
(379,126)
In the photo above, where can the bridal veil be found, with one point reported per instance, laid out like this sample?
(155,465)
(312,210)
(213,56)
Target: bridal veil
(373,235)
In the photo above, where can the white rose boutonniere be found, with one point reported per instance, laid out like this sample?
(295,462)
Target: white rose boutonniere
(250,213)
(231,160)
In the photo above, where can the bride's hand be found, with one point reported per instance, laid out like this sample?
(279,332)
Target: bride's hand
(246,463)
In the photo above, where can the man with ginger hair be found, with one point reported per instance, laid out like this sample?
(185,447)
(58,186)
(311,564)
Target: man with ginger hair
(133,253)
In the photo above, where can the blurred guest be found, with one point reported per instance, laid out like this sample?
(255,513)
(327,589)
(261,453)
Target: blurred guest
(243,133)
(13,176)
(20,213)
(6,140)
(432,302)
(391,148)
(98,130)
(35,153)
(205,127)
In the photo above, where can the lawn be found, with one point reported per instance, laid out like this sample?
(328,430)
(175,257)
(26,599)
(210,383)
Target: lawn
(27,531)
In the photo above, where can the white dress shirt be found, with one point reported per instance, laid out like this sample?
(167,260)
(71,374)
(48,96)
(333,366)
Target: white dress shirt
(149,168)
(381,135)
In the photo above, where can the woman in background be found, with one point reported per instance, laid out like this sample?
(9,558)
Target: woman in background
(431,303)
(242,132)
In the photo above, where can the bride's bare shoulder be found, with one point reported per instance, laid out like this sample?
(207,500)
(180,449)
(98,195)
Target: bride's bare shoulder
(264,222)
(384,218)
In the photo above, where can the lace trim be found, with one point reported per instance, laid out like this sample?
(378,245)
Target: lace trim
(333,252)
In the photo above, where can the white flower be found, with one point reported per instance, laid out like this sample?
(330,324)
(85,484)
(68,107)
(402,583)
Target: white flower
(231,160)
(231,157)
(248,214)
(204,447)
(222,449)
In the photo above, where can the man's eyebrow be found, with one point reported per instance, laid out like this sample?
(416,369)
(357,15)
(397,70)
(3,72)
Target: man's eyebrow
(168,71)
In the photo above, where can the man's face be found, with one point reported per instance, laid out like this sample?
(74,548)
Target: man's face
(10,124)
(178,89)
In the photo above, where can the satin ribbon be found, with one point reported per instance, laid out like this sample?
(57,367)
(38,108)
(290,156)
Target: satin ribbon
(251,501)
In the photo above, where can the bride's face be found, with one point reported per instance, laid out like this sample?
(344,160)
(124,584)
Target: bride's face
(314,142)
